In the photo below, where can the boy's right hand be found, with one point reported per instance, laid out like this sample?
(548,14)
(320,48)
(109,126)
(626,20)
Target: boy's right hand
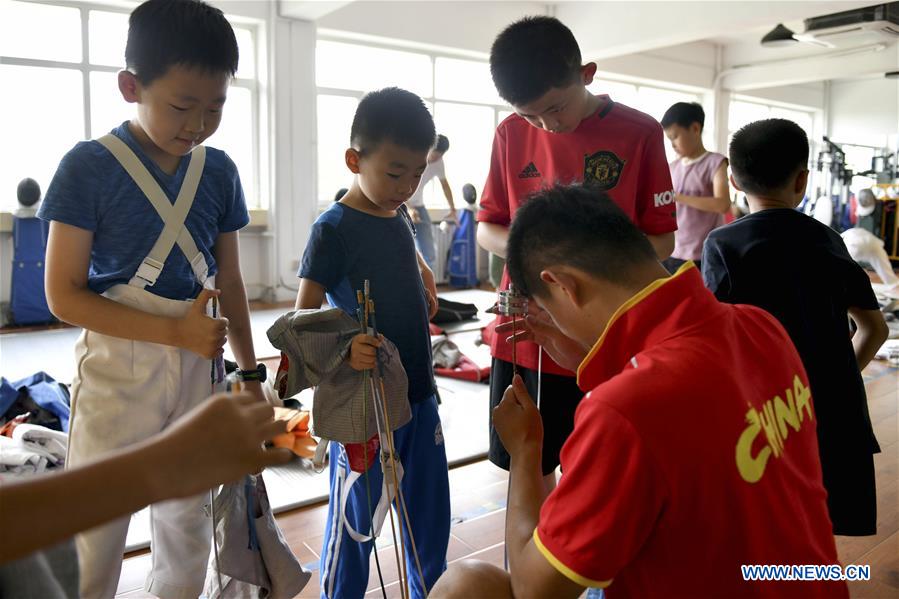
(200,333)
(364,351)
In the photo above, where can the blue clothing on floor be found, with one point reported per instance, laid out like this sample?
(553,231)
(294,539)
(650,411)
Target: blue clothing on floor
(424,236)
(91,190)
(43,390)
(344,569)
(348,246)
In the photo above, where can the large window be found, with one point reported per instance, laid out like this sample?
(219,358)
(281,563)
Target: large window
(743,111)
(458,91)
(651,99)
(58,66)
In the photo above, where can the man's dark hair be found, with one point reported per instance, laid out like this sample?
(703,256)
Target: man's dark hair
(766,155)
(442,144)
(532,56)
(684,114)
(395,115)
(190,33)
(575,226)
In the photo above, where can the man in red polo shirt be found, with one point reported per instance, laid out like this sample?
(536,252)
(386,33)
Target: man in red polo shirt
(561,133)
(694,451)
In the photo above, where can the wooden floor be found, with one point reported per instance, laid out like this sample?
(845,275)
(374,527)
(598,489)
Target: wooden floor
(478,496)
(478,502)
(880,551)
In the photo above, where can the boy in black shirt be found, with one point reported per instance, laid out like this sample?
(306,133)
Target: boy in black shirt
(800,271)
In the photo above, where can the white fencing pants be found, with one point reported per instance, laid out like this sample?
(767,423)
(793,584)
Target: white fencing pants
(125,391)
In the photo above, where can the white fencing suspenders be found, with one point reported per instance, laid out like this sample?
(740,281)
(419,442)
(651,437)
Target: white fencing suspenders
(173,216)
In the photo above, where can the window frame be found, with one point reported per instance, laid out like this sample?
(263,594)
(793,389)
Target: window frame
(816,115)
(814,146)
(252,189)
(431,99)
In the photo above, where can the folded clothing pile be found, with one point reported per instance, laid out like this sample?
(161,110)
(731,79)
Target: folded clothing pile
(31,449)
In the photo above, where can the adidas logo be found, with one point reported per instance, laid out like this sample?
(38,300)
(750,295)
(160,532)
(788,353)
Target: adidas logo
(529,171)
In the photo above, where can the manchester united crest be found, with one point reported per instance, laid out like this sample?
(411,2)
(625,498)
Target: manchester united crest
(602,170)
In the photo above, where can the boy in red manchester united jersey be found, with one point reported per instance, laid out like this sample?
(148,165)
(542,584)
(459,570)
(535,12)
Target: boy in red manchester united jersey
(677,472)
(561,133)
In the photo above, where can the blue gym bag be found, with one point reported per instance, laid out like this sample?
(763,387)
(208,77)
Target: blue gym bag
(28,302)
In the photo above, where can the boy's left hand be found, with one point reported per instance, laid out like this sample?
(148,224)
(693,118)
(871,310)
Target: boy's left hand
(432,304)
(517,420)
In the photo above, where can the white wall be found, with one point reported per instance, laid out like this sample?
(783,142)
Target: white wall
(294,204)
(691,65)
(811,95)
(468,26)
(614,28)
(865,112)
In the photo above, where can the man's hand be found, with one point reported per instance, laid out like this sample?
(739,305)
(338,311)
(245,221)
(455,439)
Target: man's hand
(539,327)
(413,214)
(218,442)
(202,334)
(452,216)
(364,352)
(517,420)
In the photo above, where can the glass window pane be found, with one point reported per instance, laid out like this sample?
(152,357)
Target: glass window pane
(800,117)
(246,68)
(620,92)
(335,117)
(108,108)
(40,31)
(466,80)
(108,32)
(235,137)
(743,113)
(470,133)
(34,143)
(655,101)
(858,158)
(364,68)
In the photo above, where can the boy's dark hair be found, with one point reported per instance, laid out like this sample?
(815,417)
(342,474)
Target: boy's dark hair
(684,114)
(395,115)
(576,226)
(442,144)
(165,33)
(766,155)
(532,56)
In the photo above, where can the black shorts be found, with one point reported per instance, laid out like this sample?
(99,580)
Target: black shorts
(558,401)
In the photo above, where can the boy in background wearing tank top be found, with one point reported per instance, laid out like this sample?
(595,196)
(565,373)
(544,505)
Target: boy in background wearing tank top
(700,183)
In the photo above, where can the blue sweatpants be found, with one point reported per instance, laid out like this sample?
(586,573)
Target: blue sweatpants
(419,446)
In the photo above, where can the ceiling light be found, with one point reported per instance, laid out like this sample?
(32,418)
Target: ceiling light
(779,37)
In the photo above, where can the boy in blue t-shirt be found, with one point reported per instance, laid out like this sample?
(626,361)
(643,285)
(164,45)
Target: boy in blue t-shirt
(368,235)
(143,234)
